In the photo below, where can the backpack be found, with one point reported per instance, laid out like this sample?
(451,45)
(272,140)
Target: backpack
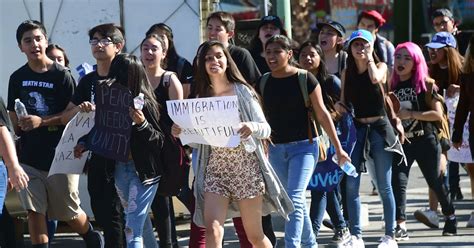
(442,127)
(174,160)
(312,119)
(175,164)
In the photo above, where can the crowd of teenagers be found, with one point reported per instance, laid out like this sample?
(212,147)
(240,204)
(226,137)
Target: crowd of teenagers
(279,86)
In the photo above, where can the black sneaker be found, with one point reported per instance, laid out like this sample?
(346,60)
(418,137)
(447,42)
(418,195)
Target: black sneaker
(401,234)
(450,227)
(341,236)
(94,239)
(328,223)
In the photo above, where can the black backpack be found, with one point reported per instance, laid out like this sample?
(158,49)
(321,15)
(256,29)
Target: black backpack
(175,164)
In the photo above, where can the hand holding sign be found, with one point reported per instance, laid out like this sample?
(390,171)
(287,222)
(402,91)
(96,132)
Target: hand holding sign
(65,161)
(110,136)
(209,120)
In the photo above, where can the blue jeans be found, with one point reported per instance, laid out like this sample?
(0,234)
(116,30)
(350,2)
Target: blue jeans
(325,201)
(380,170)
(3,185)
(294,164)
(136,201)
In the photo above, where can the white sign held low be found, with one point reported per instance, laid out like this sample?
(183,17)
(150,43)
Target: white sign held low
(211,120)
(463,155)
(64,161)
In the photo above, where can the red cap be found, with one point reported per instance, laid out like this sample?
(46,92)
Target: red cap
(375,15)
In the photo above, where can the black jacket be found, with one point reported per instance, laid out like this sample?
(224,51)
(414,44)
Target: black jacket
(146,144)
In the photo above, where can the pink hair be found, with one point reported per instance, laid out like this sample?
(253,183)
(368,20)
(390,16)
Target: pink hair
(420,69)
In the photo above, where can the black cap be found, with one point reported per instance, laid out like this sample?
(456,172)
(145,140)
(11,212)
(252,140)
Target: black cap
(336,25)
(442,12)
(275,20)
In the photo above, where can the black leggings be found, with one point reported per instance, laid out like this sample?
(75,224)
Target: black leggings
(426,150)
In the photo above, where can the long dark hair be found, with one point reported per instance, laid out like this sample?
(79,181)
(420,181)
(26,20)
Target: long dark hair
(285,44)
(203,82)
(351,71)
(322,73)
(127,70)
(172,55)
(162,43)
(330,97)
(52,46)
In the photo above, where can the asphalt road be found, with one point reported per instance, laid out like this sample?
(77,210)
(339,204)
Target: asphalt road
(420,235)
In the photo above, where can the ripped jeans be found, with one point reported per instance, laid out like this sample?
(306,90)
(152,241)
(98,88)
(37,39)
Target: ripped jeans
(136,201)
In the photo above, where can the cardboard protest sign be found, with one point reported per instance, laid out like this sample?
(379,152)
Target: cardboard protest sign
(211,120)
(328,174)
(110,137)
(463,155)
(64,161)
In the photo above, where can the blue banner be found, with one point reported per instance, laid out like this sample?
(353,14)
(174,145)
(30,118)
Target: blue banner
(327,174)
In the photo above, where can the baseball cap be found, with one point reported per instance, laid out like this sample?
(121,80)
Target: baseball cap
(374,15)
(442,12)
(275,20)
(361,34)
(442,39)
(336,25)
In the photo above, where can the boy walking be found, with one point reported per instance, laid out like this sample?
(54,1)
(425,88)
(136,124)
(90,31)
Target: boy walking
(45,88)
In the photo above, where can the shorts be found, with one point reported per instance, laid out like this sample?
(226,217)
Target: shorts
(57,195)
(234,174)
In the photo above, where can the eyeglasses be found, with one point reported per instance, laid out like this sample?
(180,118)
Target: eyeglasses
(103,42)
(443,23)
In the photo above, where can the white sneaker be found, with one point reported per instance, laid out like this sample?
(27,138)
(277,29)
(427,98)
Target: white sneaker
(427,217)
(357,242)
(470,222)
(387,242)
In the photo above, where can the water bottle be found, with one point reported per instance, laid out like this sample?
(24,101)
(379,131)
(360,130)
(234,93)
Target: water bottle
(139,101)
(20,109)
(347,167)
(249,144)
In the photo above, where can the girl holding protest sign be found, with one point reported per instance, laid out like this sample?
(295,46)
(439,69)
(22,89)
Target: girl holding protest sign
(136,180)
(418,112)
(293,156)
(231,182)
(311,58)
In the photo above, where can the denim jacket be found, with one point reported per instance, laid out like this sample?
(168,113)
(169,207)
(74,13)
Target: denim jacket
(275,198)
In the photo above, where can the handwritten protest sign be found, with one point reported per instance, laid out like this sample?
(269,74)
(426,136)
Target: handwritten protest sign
(328,174)
(212,120)
(64,161)
(463,155)
(110,137)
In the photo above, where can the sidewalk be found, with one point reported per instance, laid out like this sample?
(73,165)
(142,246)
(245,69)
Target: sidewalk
(420,235)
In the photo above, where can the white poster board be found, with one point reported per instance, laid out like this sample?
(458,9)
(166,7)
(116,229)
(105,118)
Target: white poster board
(211,120)
(64,161)
(463,155)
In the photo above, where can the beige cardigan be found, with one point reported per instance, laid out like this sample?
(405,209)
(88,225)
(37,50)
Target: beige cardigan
(275,199)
